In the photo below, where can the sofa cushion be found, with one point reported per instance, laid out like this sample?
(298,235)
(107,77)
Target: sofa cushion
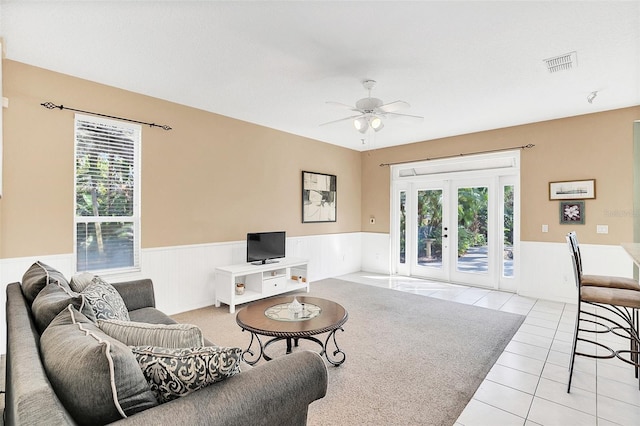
(151,315)
(172,373)
(80,281)
(105,300)
(37,277)
(144,334)
(96,377)
(51,300)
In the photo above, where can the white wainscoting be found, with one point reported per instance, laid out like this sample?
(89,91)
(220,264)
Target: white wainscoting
(183,276)
(376,253)
(547,271)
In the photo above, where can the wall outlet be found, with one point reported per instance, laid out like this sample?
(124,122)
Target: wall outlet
(545,228)
(602,229)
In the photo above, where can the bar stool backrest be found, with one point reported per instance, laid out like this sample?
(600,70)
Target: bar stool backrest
(577,273)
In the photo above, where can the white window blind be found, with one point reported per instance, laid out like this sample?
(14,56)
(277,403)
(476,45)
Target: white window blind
(107,194)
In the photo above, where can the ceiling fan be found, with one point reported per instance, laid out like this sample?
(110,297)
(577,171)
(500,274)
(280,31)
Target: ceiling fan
(372,111)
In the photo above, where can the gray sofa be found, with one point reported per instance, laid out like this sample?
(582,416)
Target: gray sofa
(272,393)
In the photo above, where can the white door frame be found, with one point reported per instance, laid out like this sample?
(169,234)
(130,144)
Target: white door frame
(500,169)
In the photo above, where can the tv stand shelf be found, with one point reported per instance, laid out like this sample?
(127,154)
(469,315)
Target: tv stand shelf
(260,281)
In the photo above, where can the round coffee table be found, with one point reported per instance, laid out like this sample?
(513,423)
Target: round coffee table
(276,318)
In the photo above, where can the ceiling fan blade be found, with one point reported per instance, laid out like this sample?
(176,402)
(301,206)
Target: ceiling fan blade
(395,114)
(393,106)
(342,119)
(344,106)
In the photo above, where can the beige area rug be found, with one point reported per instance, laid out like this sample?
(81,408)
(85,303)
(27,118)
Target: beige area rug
(410,359)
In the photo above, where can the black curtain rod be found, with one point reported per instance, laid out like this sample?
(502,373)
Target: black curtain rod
(51,105)
(460,155)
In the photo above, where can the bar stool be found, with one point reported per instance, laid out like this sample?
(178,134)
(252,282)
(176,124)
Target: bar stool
(600,280)
(621,302)
(610,281)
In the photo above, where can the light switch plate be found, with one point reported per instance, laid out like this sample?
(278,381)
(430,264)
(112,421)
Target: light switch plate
(602,229)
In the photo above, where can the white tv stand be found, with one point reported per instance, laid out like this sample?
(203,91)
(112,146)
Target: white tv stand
(260,281)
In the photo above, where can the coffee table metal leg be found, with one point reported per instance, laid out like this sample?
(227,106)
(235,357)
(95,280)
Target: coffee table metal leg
(336,358)
(336,361)
(251,352)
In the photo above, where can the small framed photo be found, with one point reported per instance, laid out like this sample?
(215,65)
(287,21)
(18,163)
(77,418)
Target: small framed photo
(572,190)
(572,212)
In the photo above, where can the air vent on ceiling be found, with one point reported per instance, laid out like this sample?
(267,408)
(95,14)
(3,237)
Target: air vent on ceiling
(563,62)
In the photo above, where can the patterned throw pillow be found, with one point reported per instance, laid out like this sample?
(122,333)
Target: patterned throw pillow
(172,373)
(133,333)
(105,300)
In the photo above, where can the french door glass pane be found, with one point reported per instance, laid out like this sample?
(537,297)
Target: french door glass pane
(507,262)
(429,242)
(472,229)
(403,225)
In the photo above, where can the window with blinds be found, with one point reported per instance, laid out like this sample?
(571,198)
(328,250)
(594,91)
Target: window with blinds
(107,194)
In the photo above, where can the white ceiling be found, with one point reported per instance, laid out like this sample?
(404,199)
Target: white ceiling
(466,66)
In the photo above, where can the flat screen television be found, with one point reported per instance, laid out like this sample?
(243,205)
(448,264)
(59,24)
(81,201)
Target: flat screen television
(265,247)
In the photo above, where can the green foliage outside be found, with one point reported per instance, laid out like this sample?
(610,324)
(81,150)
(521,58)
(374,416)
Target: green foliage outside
(472,220)
(104,188)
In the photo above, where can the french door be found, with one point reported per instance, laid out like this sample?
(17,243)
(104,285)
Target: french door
(461,227)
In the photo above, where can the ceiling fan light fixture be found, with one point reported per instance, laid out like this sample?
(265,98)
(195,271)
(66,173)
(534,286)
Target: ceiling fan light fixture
(361,124)
(376,123)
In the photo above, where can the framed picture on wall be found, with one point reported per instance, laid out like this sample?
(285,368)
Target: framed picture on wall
(572,212)
(572,190)
(319,195)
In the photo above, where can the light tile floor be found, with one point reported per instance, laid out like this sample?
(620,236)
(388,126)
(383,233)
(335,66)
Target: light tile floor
(528,384)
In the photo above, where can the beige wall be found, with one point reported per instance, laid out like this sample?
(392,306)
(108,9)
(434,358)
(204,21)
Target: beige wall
(210,179)
(598,146)
(213,179)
